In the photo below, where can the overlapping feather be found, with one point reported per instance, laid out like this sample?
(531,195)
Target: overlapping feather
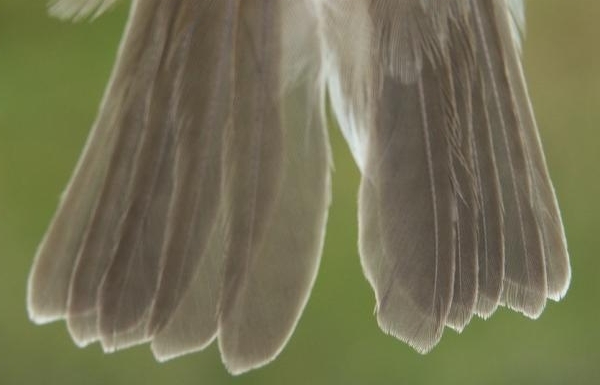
(457,213)
(198,208)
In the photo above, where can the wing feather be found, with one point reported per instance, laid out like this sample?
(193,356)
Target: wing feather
(407,208)
(461,72)
(51,277)
(490,227)
(544,200)
(465,211)
(79,9)
(525,278)
(278,184)
(197,199)
(129,286)
(198,207)
(408,202)
(208,179)
(129,117)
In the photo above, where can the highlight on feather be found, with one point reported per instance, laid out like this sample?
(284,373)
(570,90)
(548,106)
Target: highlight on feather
(197,210)
(457,213)
(78,9)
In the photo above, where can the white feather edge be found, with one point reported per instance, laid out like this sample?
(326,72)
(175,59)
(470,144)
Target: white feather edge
(79,9)
(517,13)
(34,315)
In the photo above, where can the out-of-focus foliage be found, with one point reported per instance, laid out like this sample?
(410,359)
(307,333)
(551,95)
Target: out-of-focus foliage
(52,76)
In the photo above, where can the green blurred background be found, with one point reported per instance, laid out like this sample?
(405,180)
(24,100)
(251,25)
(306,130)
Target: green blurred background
(52,76)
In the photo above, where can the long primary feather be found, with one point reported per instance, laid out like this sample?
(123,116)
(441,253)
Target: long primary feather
(201,201)
(278,184)
(525,279)
(113,215)
(545,204)
(50,279)
(460,60)
(408,206)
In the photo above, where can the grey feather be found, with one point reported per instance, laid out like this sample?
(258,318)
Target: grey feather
(208,172)
(408,202)
(461,71)
(493,222)
(202,112)
(105,229)
(407,209)
(129,286)
(490,227)
(185,311)
(79,9)
(58,255)
(525,278)
(544,200)
(198,207)
(190,322)
(278,184)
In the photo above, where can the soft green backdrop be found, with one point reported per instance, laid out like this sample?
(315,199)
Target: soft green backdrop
(52,76)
